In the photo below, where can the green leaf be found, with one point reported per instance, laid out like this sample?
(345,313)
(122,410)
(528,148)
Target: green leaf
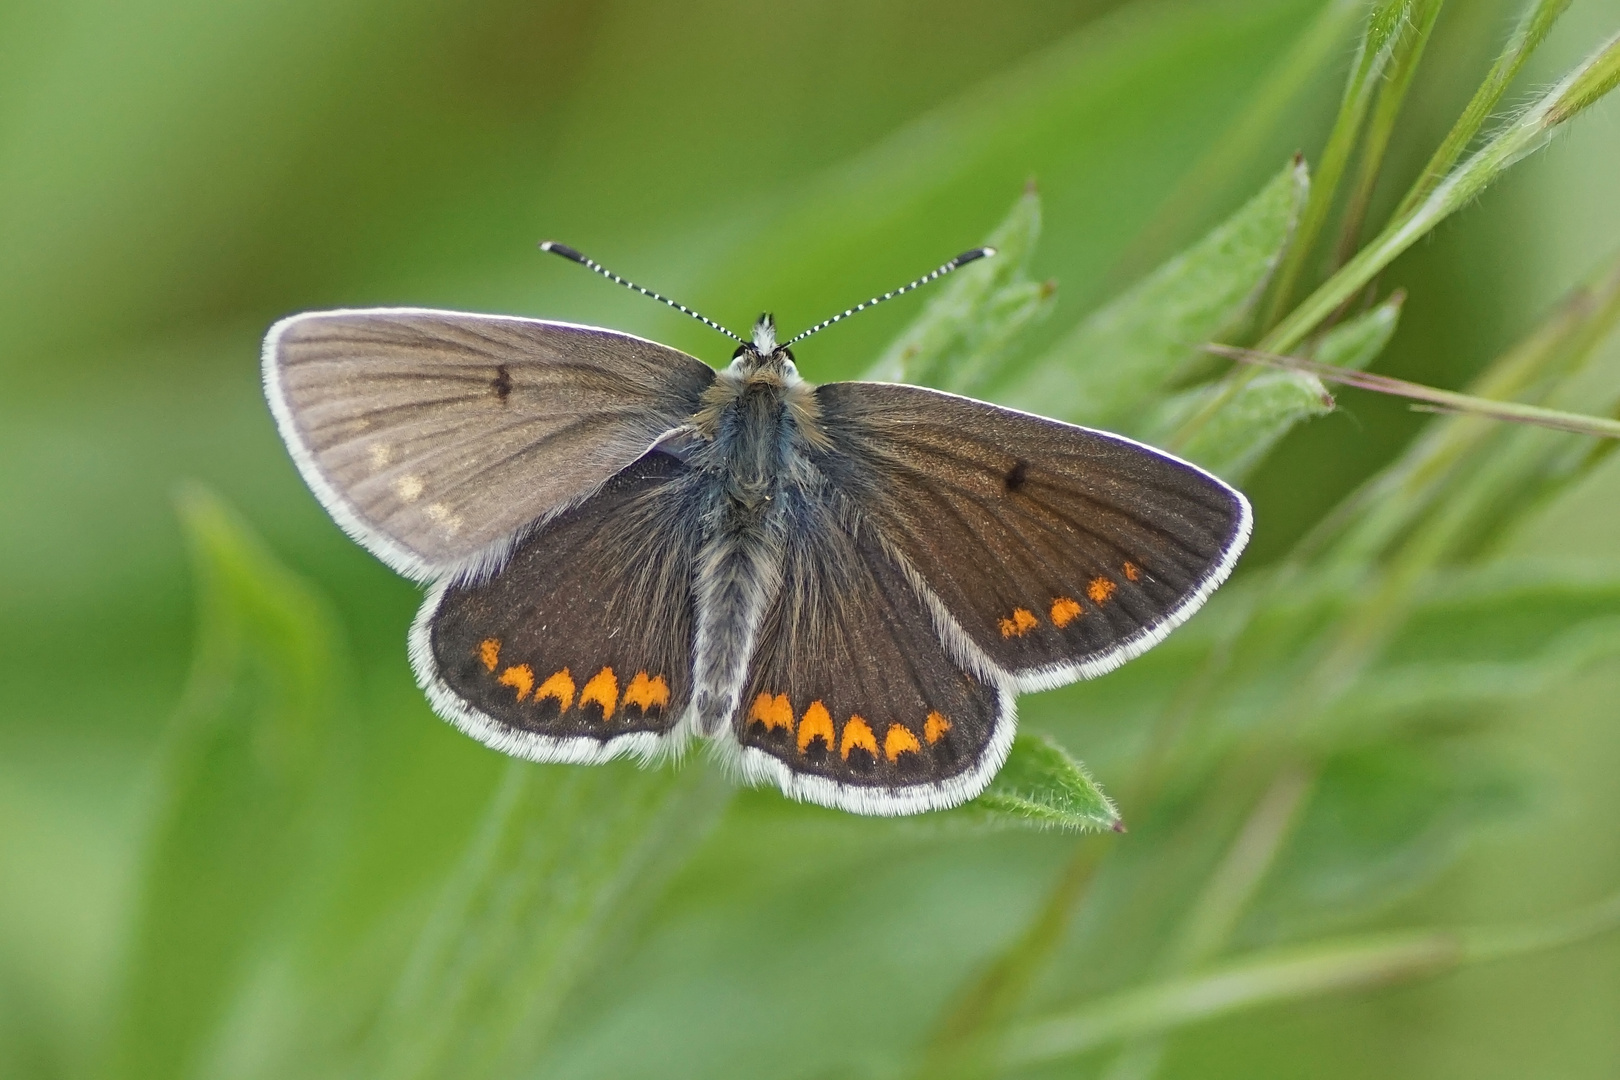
(246,795)
(1385,24)
(1042,786)
(964,334)
(1263,409)
(1109,369)
(566,863)
(1382,823)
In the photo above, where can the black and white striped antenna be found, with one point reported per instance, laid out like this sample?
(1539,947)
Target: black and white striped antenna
(591,264)
(960,261)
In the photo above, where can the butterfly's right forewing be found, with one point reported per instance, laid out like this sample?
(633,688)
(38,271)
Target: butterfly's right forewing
(433,437)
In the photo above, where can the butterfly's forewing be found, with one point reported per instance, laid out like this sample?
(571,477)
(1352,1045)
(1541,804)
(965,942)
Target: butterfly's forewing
(579,648)
(851,700)
(1057,551)
(433,437)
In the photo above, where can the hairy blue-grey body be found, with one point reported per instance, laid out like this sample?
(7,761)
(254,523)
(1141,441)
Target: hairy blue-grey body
(757,421)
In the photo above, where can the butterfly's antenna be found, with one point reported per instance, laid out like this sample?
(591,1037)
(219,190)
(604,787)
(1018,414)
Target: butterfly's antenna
(960,261)
(591,264)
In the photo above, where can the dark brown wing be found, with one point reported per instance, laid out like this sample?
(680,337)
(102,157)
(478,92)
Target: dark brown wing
(580,647)
(434,436)
(1058,551)
(851,700)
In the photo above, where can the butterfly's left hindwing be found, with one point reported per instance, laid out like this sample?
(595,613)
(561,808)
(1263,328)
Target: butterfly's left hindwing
(579,648)
(851,699)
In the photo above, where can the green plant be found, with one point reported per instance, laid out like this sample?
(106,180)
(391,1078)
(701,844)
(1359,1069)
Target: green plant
(1291,765)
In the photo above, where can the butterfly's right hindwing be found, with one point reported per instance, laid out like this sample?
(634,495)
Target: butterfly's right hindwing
(580,647)
(434,437)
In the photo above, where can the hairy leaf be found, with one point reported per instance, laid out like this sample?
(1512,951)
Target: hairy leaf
(1110,368)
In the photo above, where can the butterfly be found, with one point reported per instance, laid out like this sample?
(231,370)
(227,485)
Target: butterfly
(842,588)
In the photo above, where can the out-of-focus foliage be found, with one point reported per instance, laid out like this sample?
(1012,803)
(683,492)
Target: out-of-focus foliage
(235,842)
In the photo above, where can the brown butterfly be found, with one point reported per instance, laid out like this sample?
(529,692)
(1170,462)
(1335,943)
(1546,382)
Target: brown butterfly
(841,587)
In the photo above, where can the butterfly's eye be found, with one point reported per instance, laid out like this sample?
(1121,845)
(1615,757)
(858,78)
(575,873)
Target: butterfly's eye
(790,368)
(740,350)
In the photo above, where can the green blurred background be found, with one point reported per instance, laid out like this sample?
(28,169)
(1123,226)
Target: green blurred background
(175,175)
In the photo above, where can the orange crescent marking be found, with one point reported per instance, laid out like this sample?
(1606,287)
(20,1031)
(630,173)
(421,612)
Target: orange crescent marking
(899,741)
(646,692)
(1022,622)
(936,727)
(858,733)
(521,677)
(773,712)
(1100,590)
(489,651)
(817,724)
(1065,610)
(602,689)
(559,686)
(1132,571)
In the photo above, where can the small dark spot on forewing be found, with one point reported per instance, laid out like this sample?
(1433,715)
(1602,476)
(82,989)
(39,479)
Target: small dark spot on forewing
(502,382)
(1017,475)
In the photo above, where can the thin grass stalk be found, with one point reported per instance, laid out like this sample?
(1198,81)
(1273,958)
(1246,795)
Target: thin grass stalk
(1381,125)
(1534,23)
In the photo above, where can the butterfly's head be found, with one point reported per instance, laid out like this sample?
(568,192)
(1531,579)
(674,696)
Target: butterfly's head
(765,334)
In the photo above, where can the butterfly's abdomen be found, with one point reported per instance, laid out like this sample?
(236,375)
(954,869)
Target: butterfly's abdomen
(751,440)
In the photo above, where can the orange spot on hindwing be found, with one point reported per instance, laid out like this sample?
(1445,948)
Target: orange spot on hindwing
(773,712)
(520,677)
(936,727)
(603,688)
(816,724)
(559,687)
(1132,572)
(1065,610)
(899,741)
(858,733)
(1100,590)
(1021,623)
(647,693)
(489,651)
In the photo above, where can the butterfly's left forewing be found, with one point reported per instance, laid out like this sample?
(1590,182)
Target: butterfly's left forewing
(579,648)
(1053,552)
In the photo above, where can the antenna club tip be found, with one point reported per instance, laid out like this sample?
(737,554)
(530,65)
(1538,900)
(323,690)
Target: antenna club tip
(561,249)
(974,255)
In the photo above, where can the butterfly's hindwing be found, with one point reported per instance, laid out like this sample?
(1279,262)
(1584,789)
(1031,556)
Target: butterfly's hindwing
(1060,552)
(580,646)
(851,700)
(434,437)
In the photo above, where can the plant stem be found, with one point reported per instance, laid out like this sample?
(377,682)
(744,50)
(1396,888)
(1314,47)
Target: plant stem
(1387,109)
(1447,401)
(1377,44)
(1291,974)
(1537,19)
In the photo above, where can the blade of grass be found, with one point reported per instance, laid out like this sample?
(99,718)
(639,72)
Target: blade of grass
(1236,147)
(1532,129)
(1108,369)
(1443,400)
(1386,110)
(567,859)
(1384,25)
(1528,132)
(1292,974)
(1226,896)
(1364,524)
(1537,20)
(247,792)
